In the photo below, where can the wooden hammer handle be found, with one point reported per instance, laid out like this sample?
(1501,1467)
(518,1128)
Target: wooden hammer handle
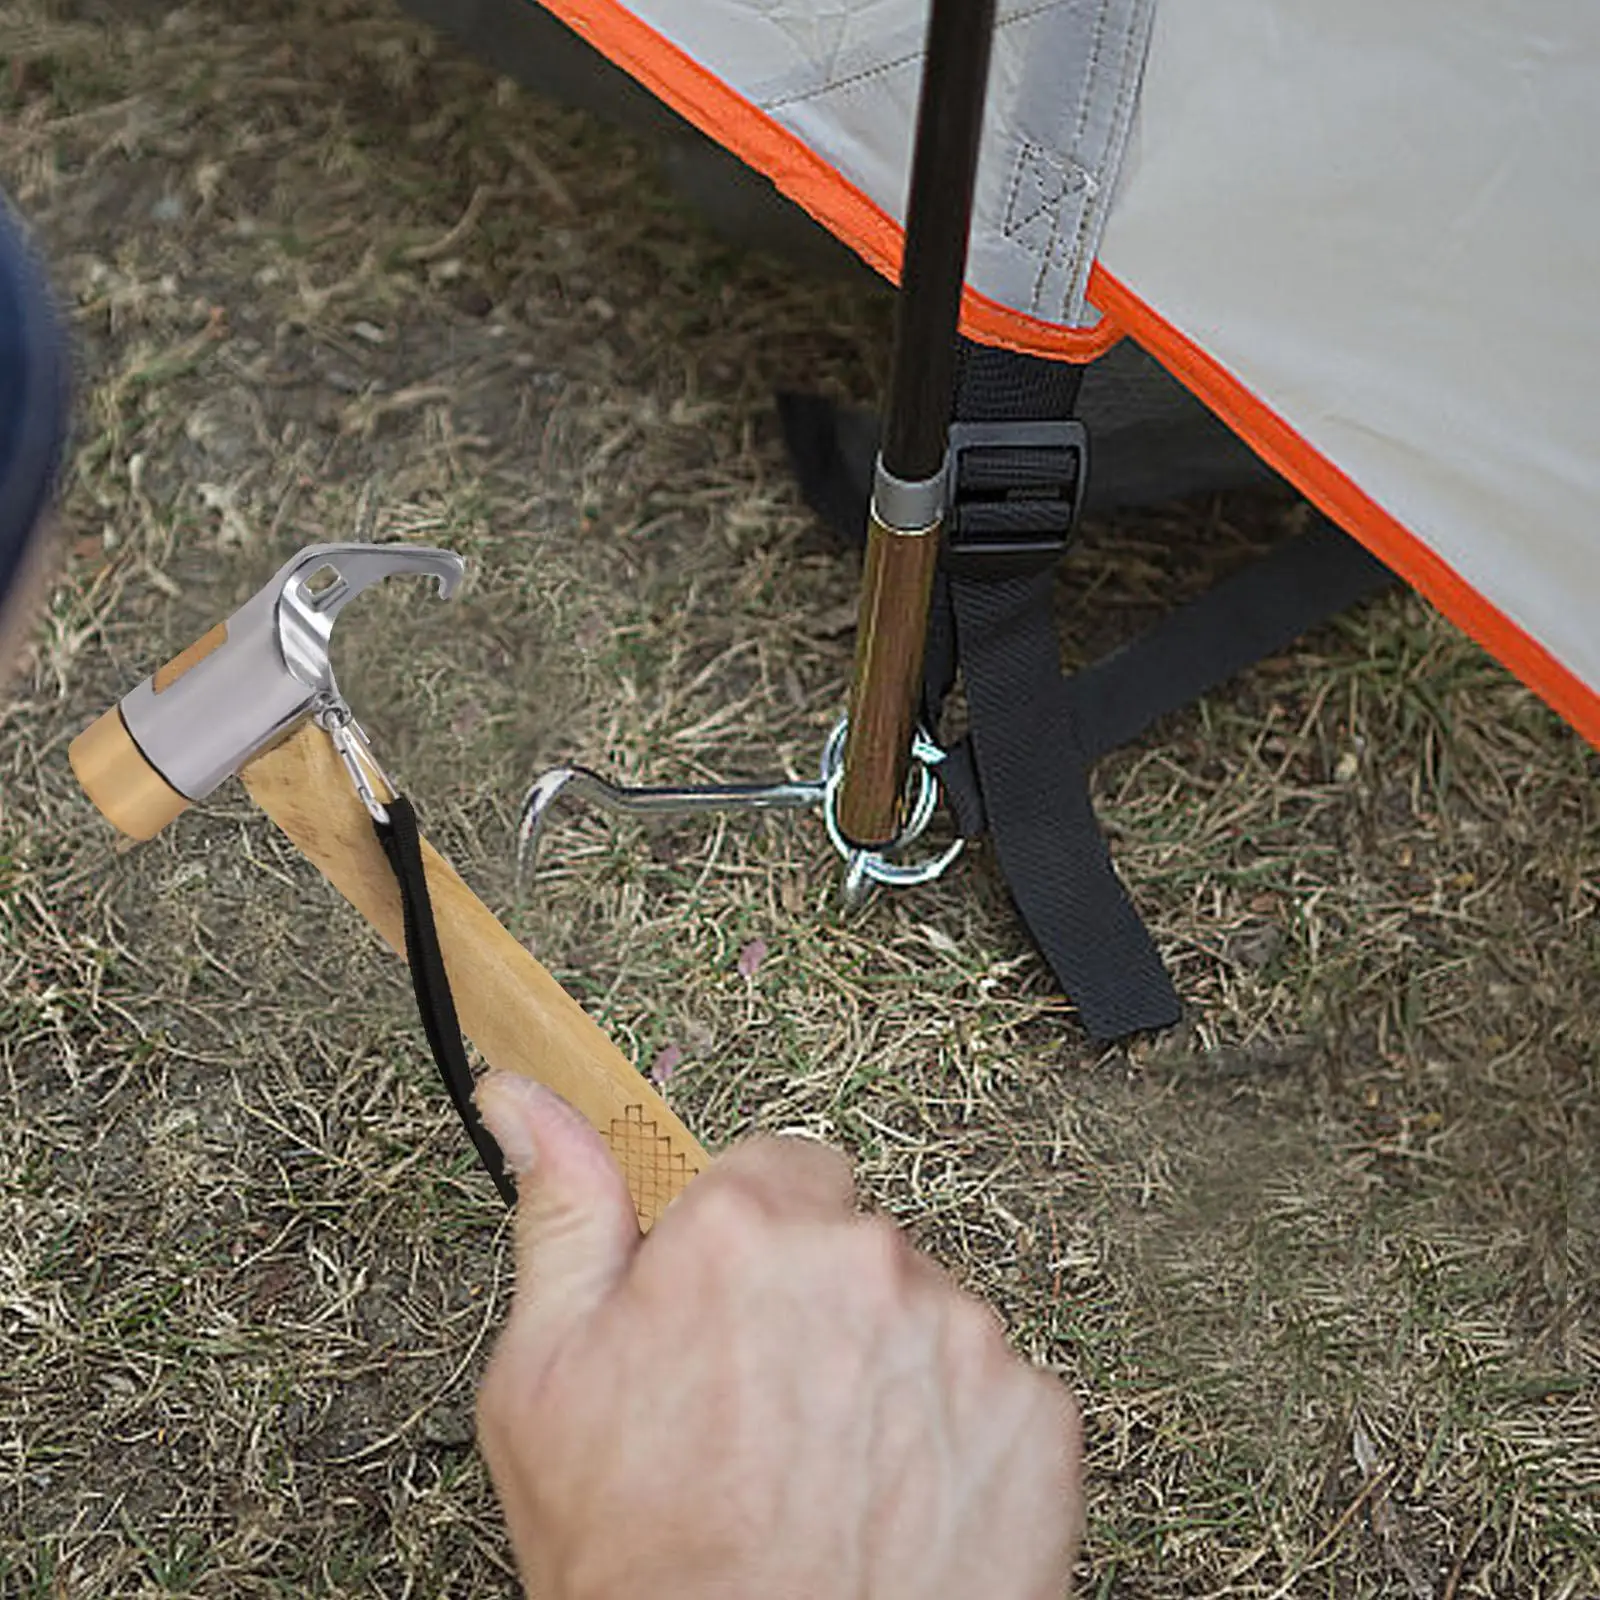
(519,1017)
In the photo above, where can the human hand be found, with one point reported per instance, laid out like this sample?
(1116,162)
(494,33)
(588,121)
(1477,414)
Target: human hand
(770,1396)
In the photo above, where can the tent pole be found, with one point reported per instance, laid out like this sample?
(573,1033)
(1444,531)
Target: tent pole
(909,486)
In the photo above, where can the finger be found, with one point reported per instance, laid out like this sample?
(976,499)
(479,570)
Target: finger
(792,1177)
(576,1227)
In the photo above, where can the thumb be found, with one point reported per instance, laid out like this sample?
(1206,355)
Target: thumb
(576,1227)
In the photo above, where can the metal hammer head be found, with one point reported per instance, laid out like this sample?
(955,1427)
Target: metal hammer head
(238,689)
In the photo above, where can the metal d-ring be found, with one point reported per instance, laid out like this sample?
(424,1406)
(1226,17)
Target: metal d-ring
(865,867)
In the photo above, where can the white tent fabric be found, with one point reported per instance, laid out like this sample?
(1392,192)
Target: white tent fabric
(1384,221)
(1367,234)
(842,78)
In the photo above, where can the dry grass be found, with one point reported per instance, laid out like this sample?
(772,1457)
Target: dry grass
(1323,1266)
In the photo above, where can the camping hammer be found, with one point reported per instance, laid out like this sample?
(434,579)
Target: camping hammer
(256,697)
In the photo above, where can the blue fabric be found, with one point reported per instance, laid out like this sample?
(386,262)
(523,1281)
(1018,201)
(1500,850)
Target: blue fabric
(33,396)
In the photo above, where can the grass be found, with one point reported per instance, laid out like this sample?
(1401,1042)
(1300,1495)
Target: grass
(1321,1263)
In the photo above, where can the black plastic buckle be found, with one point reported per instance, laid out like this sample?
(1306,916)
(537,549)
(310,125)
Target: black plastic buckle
(1016,492)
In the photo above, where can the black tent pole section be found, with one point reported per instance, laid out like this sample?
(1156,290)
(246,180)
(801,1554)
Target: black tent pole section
(944,169)
(908,490)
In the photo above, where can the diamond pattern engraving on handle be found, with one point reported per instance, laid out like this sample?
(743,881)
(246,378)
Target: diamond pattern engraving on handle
(655,1169)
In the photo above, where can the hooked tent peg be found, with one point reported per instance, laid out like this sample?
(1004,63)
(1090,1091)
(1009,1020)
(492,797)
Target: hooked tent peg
(862,867)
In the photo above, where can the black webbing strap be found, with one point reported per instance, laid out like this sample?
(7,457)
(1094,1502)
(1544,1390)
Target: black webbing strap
(435,1004)
(1022,774)
(1258,612)
(1035,787)
(1031,770)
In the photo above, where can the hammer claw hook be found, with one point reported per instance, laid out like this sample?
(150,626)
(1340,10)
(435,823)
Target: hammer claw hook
(323,579)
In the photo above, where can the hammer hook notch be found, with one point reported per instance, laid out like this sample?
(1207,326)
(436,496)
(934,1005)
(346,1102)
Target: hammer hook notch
(324,578)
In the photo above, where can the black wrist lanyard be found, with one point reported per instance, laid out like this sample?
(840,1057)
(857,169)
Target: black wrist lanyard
(436,1006)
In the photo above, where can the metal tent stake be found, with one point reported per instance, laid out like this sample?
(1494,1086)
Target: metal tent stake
(863,868)
(878,788)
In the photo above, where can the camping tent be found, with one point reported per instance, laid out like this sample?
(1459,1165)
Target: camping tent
(1366,236)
